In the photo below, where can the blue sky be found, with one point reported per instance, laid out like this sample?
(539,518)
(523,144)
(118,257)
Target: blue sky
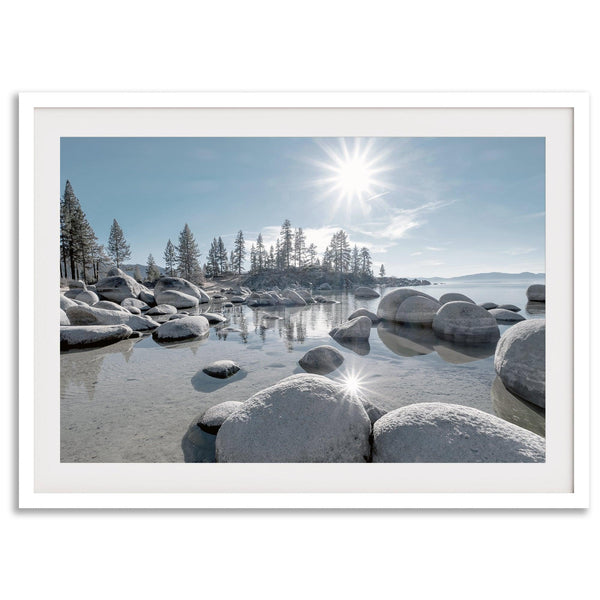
(423,206)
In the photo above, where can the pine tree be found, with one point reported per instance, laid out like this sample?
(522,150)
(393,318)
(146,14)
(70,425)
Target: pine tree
(327,262)
(152,271)
(222,254)
(239,253)
(253,265)
(299,248)
(382,271)
(340,250)
(188,254)
(355,261)
(366,267)
(272,262)
(137,274)
(286,244)
(118,248)
(170,257)
(261,255)
(312,255)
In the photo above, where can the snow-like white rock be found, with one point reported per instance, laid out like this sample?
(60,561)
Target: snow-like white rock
(389,304)
(321,360)
(83,336)
(355,329)
(89,315)
(216,415)
(465,323)
(182,329)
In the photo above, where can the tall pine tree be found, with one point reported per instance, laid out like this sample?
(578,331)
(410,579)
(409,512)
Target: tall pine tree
(239,253)
(118,248)
(170,258)
(152,270)
(188,254)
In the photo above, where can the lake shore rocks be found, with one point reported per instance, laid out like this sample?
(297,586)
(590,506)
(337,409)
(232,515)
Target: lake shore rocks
(221,369)
(321,360)
(178,284)
(365,292)
(465,323)
(64,320)
(90,315)
(417,310)
(215,416)
(117,286)
(520,360)
(510,307)
(135,302)
(363,312)
(86,336)
(390,303)
(214,318)
(536,293)
(182,329)
(488,305)
(176,298)
(535,308)
(355,329)
(454,297)
(506,316)
(66,302)
(87,296)
(303,418)
(162,309)
(108,305)
(434,432)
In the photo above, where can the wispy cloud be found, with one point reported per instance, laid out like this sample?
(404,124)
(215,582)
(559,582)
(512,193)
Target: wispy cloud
(434,249)
(416,253)
(519,251)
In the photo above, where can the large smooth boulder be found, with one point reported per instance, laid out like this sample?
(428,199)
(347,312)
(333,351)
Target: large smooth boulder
(365,292)
(147,296)
(302,419)
(465,323)
(434,432)
(417,310)
(215,416)
(182,329)
(355,329)
(176,299)
(108,305)
(536,292)
(162,309)
(88,297)
(64,320)
(454,297)
(178,284)
(321,360)
(506,316)
(214,318)
(66,302)
(520,360)
(136,303)
(363,312)
(221,369)
(295,297)
(84,336)
(90,315)
(390,303)
(117,286)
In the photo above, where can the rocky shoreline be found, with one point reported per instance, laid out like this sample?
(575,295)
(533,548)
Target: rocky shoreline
(297,419)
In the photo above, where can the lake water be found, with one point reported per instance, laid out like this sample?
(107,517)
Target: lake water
(133,401)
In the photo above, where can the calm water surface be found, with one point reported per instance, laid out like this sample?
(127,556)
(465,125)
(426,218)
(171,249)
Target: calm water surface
(133,401)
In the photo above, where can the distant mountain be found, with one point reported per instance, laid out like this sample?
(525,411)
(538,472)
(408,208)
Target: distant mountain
(494,276)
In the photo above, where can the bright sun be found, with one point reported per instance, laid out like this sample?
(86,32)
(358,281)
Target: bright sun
(352,174)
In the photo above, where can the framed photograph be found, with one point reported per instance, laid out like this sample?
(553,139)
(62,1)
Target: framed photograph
(304,300)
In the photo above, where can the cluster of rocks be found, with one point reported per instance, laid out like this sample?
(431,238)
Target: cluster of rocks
(310,418)
(118,307)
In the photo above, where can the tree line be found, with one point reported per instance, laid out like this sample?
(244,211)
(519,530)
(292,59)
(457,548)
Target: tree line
(82,256)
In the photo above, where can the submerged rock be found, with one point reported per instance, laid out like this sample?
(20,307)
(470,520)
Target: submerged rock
(454,297)
(222,369)
(535,308)
(390,303)
(417,310)
(197,445)
(215,416)
(465,323)
(434,432)
(304,418)
(84,336)
(506,316)
(363,312)
(182,329)
(515,410)
(520,360)
(321,360)
(536,292)
(355,329)
(365,292)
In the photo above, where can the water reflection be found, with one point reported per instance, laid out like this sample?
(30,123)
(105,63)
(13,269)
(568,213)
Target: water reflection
(360,347)
(517,411)
(197,445)
(405,340)
(535,308)
(458,354)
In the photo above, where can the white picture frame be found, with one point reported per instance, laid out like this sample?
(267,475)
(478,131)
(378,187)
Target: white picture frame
(563,480)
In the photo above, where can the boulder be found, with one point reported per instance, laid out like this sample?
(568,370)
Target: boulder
(375,412)
(434,432)
(363,312)
(134,310)
(454,297)
(197,445)
(64,320)
(147,296)
(92,335)
(417,310)
(355,329)
(536,292)
(509,307)
(176,299)
(221,369)
(516,410)
(108,305)
(520,360)
(66,302)
(88,297)
(162,309)
(295,297)
(389,304)
(302,419)
(136,302)
(117,286)
(238,299)
(321,360)
(227,304)
(365,292)
(90,315)
(488,305)
(506,316)
(182,329)
(323,300)
(465,323)
(215,416)
(324,287)
(214,318)
(76,284)
(177,284)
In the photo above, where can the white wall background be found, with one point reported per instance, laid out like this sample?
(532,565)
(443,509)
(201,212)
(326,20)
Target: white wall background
(317,46)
